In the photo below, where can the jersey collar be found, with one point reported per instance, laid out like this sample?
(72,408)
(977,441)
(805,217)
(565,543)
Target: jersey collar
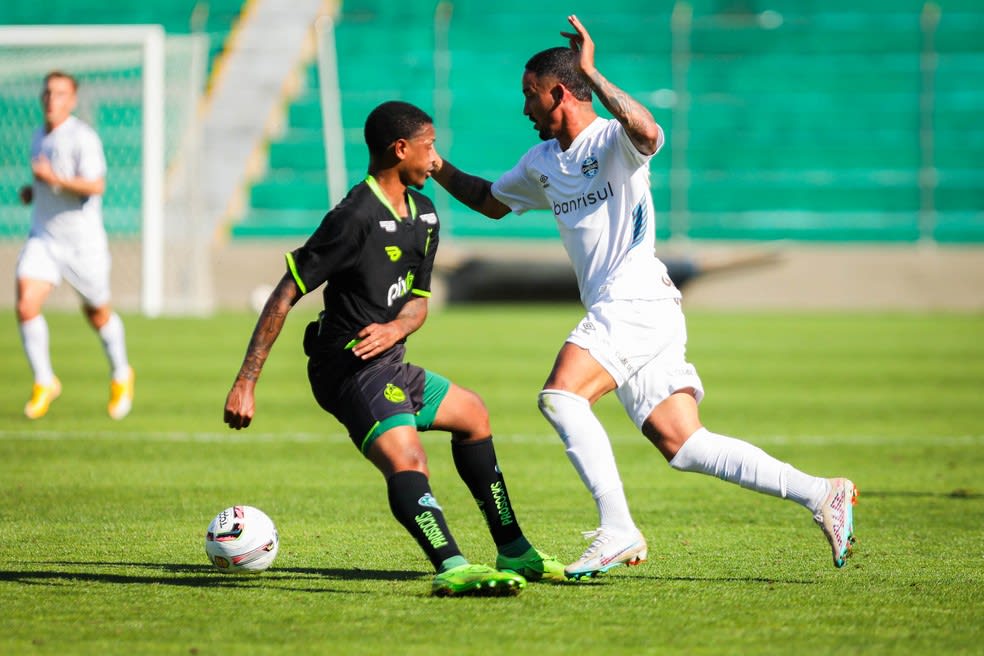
(371,181)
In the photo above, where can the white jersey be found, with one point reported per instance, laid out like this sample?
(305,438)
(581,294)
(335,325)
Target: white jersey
(75,151)
(598,190)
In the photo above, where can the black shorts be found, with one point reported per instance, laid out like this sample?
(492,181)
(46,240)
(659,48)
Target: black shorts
(369,398)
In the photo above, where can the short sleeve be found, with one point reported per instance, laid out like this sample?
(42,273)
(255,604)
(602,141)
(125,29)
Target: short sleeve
(518,190)
(422,278)
(91,163)
(333,247)
(628,150)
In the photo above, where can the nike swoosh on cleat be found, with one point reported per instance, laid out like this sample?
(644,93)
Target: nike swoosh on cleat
(605,561)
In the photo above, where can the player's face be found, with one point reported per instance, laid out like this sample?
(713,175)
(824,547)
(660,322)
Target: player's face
(58,101)
(420,158)
(542,104)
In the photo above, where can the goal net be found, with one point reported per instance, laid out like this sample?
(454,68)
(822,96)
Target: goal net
(140,90)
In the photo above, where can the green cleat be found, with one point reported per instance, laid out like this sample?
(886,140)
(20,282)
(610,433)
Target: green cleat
(476,581)
(532,565)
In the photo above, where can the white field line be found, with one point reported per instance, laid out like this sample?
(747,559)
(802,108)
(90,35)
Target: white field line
(248,436)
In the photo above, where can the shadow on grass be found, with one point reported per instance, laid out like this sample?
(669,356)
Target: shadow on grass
(730,579)
(199,576)
(959,493)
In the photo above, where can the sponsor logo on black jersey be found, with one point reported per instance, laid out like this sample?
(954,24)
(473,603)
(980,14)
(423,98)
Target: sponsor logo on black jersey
(399,289)
(589,167)
(388,226)
(429,218)
(394,253)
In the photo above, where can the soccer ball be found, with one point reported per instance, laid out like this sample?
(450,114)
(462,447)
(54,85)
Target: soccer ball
(241,539)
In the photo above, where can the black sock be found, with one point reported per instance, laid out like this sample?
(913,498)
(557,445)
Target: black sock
(478,468)
(414,506)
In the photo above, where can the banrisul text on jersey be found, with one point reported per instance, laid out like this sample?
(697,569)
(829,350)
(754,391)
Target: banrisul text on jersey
(586,200)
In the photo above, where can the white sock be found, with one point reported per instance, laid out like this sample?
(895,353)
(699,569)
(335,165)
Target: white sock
(750,467)
(114,344)
(590,451)
(34,337)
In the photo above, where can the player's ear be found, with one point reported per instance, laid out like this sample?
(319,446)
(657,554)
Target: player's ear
(400,148)
(557,93)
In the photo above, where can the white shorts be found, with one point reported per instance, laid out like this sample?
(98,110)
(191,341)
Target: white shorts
(643,345)
(86,269)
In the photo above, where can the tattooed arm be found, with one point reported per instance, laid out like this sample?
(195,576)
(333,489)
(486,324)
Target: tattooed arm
(473,191)
(240,403)
(638,122)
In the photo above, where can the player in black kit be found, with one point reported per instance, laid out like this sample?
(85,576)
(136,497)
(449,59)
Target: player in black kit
(375,254)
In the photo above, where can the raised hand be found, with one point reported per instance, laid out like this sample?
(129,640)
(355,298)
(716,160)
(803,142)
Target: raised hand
(582,43)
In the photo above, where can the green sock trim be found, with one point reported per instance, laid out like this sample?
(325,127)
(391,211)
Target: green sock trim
(453,561)
(516,548)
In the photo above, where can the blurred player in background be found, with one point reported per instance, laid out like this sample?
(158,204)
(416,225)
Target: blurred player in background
(374,252)
(593,174)
(67,240)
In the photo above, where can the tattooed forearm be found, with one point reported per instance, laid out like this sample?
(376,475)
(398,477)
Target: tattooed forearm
(252,366)
(268,328)
(637,120)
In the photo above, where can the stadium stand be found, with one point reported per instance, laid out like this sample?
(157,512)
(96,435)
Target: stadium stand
(838,121)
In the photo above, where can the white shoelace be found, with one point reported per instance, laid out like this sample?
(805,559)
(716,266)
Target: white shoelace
(598,539)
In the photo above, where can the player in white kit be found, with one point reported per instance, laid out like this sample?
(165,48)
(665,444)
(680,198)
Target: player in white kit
(67,241)
(593,174)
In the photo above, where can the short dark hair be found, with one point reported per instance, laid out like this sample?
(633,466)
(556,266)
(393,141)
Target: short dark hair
(561,63)
(391,121)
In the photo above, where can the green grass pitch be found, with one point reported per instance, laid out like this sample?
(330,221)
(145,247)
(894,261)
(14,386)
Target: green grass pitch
(102,522)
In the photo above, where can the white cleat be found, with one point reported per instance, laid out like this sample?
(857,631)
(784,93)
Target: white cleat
(608,549)
(836,518)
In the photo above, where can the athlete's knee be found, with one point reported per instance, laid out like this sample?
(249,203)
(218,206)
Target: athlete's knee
(467,418)
(475,405)
(98,316)
(558,405)
(30,298)
(406,460)
(398,449)
(27,309)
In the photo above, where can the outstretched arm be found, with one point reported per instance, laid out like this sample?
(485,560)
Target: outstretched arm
(473,191)
(240,404)
(638,122)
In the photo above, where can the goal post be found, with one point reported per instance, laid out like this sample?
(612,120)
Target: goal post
(140,90)
(331,110)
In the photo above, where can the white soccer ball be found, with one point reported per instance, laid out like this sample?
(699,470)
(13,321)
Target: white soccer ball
(242,539)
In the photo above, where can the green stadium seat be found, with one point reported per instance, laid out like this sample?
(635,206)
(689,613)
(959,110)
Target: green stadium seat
(960,227)
(278,223)
(803,128)
(288,190)
(302,154)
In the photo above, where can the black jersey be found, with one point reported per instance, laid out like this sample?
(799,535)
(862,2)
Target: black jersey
(372,260)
